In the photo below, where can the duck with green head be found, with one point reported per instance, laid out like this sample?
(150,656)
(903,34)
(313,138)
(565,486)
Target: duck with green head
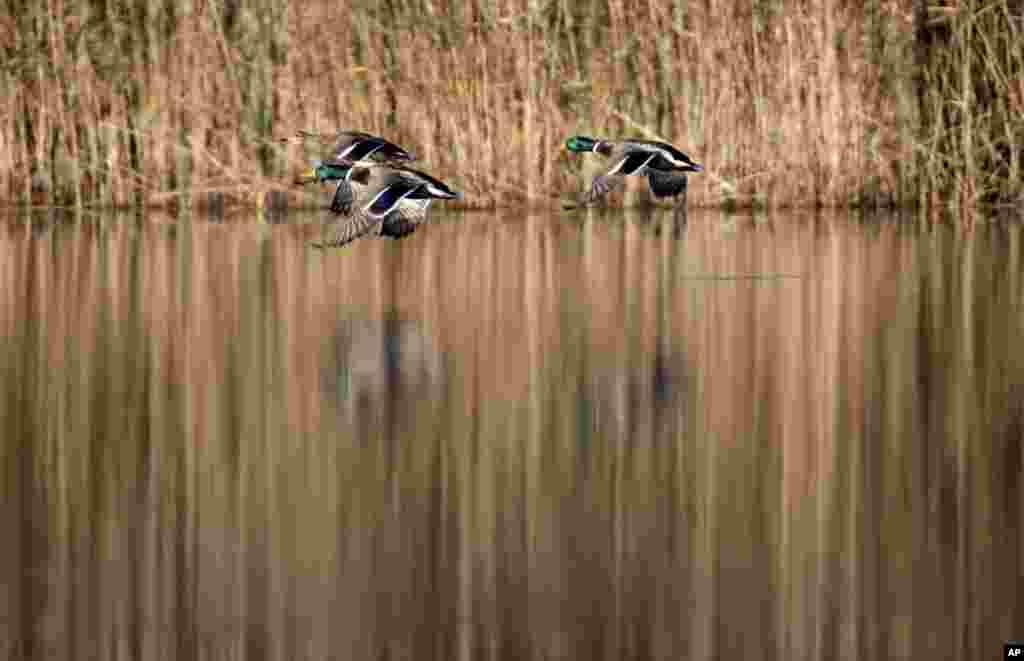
(347,147)
(664,166)
(391,198)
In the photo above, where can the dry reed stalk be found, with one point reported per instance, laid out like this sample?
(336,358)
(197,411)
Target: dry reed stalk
(817,102)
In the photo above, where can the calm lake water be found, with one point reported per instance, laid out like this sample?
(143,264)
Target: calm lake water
(581,436)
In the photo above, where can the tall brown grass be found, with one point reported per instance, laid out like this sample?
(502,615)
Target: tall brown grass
(787,103)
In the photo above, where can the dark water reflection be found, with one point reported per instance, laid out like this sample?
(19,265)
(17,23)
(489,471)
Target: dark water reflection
(506,438)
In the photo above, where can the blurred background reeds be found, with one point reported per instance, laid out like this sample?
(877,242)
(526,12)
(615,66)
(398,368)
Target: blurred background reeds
(788,103)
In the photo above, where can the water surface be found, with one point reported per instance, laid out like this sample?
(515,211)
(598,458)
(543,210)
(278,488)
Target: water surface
(583,436)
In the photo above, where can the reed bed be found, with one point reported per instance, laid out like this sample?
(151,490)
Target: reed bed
(787,104)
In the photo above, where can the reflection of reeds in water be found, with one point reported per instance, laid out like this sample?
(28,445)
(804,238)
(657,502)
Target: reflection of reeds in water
(580,452)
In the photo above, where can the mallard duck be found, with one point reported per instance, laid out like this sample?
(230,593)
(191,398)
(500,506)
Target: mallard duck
(354,146)
(392,198)
(664,166)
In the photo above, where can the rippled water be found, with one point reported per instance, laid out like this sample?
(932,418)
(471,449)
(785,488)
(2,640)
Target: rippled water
(589,436)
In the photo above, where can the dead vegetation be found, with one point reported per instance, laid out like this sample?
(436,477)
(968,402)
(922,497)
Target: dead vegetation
(787,104)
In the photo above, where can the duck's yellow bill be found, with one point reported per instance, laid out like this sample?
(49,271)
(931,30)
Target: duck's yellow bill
(306,177)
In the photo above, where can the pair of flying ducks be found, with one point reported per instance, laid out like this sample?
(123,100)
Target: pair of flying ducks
(378,193)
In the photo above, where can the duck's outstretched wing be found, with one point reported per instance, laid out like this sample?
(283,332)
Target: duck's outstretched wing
(658,145)
(343,198)
(669,155)
(390,197)
(632,162)
(666,184)
(622,165)
(601,186)
(345,230)
(396,229)
(410,214)
(355,146)
(352,146)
